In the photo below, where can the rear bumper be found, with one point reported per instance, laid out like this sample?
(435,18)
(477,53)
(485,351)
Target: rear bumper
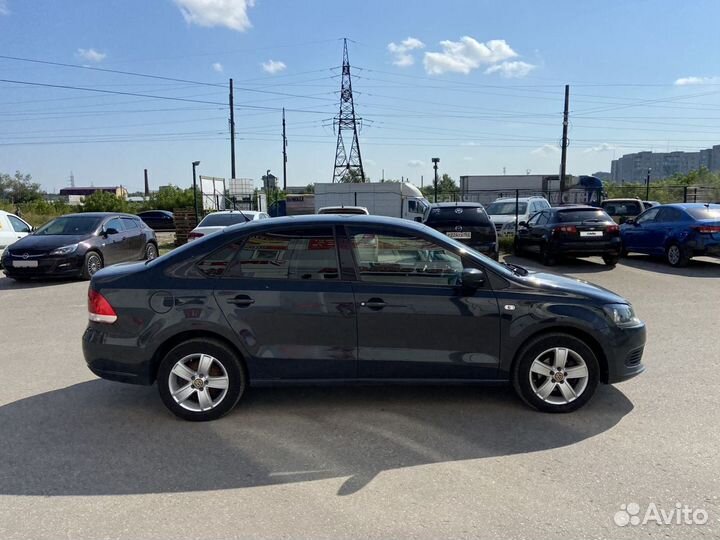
(624,354)
(605,247)
(122,362)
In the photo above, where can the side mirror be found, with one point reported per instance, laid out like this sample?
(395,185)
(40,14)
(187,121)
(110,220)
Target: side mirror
(418,219)
(522,224)
(110,231)
(472,278)
(630,221)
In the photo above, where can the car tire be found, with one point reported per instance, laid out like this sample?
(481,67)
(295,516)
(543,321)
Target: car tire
(201,380)
(547,258)
(151,251)
(566,380)
(92,264)
(611,260)
(676,255)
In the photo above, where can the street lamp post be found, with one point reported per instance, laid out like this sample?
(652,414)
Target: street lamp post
(435,162)
(197,215)
(647,185)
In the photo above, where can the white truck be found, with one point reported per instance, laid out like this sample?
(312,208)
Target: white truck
(393,199)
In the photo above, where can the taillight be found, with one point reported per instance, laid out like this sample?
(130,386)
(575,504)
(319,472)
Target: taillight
(612,229)
(707,229)
(194,235)
(99,309)
(568,229)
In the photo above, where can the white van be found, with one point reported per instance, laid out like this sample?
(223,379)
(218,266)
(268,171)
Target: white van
(502,212)
(12,229)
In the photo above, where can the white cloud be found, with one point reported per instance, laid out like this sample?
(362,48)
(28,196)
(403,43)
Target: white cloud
(511,70)
(217,66)
(602,147)
(4,10)
(466,55)
(546,150)
(415,163)
(273,66)
(400,51)
(91,55)
(231,14)
(370,162)
(686,81)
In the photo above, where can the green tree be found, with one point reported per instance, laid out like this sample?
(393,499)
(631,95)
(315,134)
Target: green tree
(447,190)
(310,188)
(19,188)
(102,201)
(170,198)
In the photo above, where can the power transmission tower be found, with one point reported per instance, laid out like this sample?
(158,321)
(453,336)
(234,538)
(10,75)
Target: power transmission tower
(347,169)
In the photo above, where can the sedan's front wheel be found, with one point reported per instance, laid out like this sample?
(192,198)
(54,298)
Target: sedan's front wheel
(93,262)
(200,380)
(556,373)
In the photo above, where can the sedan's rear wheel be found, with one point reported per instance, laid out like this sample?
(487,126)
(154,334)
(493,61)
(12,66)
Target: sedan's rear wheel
(151,251)
(201,380)
(556,373)
(611,260)
(677,256)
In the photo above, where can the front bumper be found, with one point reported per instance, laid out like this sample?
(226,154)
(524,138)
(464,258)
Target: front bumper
(624,353)
(67,266)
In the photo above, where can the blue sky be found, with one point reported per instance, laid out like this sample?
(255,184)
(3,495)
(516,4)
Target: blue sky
(477,83)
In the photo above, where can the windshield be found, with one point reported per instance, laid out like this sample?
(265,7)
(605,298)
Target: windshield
(473,215)
(70,226)
(704,212)
(223,220)
(505,208)
(582,214)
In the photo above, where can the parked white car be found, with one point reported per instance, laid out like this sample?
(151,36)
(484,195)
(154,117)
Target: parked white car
(12,229)
(217,221)
(502,212)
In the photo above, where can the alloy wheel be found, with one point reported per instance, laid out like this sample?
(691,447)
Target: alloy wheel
(198,382)
(93,264)
(673,254)
(558,376)
(150,252)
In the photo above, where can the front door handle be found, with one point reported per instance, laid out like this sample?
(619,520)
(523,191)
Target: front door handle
(374,303)
(242,300)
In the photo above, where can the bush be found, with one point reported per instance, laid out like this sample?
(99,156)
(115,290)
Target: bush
(102,201)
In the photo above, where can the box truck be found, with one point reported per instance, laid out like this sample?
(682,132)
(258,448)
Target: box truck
(393,199)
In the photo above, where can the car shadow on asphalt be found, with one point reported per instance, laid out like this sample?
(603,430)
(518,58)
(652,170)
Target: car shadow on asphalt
(9,284)
(102,438)
(704,267)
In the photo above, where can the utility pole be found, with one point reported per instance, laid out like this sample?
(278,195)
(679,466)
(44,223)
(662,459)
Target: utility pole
(195,164)
(284,154)
(421,181)
(435,162)
(147,185)
(232,133)
(647,185)
(564,145)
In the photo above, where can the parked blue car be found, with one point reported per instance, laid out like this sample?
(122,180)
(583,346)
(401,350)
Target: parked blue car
(674,231)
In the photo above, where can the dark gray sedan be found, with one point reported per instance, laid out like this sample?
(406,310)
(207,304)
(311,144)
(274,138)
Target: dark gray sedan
(351,299)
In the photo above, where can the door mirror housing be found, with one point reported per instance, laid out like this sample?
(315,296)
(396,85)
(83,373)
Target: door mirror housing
(418,219)
(522,224)
(630,221)
(472,278)
(109,232)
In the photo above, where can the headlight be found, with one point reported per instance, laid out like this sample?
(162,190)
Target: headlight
(621,314)
(65,250)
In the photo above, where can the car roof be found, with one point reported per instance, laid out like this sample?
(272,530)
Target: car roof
(327,219)
(623,199)
(520,199)
(233,212)
(572,207)
(455,204)
(99,214)
(690,205)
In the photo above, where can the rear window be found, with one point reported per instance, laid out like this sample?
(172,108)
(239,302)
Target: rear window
(223,220)
(589,214)
(628,208)
(505,208)
(471,215)
(704,212)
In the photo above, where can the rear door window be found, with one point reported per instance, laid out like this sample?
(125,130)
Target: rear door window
(130,224)
(669,215)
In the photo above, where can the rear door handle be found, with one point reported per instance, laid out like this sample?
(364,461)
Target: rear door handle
(242,300)
(374,303)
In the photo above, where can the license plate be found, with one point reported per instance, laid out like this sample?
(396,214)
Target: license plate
(25,264)
(459,234)
(591,233)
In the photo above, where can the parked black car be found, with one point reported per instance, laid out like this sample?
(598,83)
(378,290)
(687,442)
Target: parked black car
(158,220)
(80,245)
(466,222)
(351,299)
(580,231)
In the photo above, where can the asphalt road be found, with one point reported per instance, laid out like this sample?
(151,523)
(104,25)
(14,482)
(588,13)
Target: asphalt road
(85,458)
